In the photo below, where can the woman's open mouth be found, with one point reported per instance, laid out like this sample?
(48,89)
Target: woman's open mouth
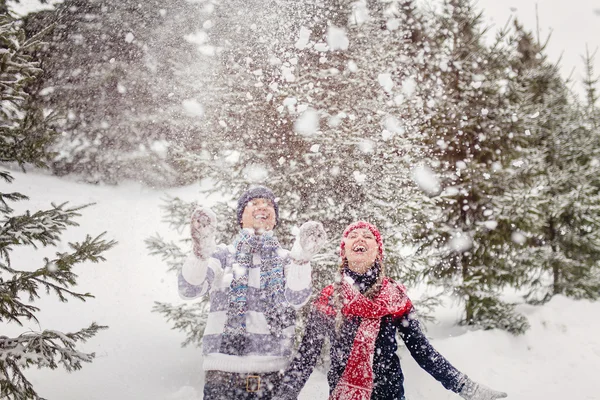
(359,248)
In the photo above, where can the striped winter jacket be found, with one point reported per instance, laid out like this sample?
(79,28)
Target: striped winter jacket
(265,351)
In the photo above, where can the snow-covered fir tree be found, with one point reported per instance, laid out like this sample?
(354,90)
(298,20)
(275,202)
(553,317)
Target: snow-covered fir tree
(117,74)
(555,185)
(25,134)
(590,85)
(321,102)
(469,136)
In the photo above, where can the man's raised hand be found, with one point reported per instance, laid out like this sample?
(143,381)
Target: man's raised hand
(203,228)
(311,238)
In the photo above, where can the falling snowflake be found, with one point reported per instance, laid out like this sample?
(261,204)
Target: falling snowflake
(192,108)
(392,24)
(308,123)
(303,38)
(366,146)
(256,173)
(337,39)
(518,237)
(409,87)
(386,82)
(491,225)
(359,176)
(360,13)
(352,66)
(425,178)
(460,243)
(392,126)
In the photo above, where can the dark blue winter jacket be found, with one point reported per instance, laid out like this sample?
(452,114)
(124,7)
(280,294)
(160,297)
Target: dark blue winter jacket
(388,378)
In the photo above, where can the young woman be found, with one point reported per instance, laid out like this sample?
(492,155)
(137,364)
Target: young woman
(361,314)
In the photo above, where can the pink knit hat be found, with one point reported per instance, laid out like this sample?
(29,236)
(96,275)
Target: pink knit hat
(359,225)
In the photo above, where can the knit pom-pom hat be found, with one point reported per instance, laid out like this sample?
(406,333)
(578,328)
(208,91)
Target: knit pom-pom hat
(258,192)
(359,225)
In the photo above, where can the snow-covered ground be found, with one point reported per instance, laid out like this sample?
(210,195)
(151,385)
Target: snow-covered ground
(140,357)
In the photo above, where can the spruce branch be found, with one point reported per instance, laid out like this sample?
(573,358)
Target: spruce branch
(56,277)
(40,228)
(188,318)
(48,349)
(169,252)
(177,212)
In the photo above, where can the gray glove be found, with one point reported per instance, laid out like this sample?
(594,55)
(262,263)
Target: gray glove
(203,226)
(475,391)
(311,238)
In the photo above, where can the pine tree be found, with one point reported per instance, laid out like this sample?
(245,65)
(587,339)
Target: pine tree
(24,137)
(590,84)
(470,135)
(117,74)
(555,185)
(321,104)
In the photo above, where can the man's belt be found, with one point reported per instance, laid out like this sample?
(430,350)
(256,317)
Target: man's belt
(251,382)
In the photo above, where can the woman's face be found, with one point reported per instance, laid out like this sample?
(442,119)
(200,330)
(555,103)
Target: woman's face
(360,249)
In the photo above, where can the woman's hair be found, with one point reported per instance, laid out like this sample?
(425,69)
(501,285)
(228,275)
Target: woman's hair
(338,296)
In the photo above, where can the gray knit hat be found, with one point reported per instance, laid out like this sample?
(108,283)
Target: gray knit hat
(258,192)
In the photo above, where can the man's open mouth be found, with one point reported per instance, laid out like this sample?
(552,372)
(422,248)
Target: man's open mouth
(261,216)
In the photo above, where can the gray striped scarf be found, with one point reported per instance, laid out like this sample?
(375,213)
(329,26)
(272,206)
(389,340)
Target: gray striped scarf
(272,285)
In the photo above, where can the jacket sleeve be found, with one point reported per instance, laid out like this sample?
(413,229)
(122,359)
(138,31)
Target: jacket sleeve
(303,364)
(197,275)
(426,355)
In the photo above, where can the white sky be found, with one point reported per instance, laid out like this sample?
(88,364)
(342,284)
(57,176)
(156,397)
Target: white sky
(573,24)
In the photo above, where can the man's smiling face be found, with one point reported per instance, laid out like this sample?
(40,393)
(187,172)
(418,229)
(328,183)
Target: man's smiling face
(259,215)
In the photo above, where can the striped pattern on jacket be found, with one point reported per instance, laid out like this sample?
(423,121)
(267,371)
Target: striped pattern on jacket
(264,351)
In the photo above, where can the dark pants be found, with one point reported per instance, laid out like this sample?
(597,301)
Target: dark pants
(219,385)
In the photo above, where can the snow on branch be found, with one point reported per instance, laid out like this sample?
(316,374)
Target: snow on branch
(42,227)
(56,277)
(188,318)
(169,252)
(48,349)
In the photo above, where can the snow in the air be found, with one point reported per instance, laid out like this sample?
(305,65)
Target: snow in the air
(139,356)
(426,179)
(307,123)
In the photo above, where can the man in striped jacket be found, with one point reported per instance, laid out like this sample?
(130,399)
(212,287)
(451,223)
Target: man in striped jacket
(255,287)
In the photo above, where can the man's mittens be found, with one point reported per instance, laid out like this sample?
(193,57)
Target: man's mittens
(310,239)
(203,227)
(204,222)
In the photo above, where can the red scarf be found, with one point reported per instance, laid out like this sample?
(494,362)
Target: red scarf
(356,383)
